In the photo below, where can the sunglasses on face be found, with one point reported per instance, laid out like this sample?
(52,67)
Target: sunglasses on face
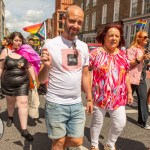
(145,37)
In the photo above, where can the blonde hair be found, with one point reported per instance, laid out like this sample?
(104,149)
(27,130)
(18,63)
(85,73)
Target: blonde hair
(136,40)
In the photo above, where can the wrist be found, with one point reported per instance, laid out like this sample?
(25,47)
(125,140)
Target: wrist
(137,61)
(89,100)
(34,81)
(129,93)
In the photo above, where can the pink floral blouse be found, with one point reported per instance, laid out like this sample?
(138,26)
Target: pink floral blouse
(109,78)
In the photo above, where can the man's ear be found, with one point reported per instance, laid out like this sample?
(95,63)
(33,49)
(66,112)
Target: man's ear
(63,19)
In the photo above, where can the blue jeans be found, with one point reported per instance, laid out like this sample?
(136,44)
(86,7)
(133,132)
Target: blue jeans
(64,120)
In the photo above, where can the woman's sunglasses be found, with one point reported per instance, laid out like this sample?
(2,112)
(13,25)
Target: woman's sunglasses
(145,37)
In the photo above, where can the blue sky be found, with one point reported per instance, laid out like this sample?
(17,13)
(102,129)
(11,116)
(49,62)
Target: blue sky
(22,13)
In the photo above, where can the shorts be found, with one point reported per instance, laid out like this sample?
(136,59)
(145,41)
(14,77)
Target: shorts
(64,120)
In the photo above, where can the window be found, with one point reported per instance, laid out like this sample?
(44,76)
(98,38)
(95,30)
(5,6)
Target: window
(134,29)
(60,16)
(93,20)
(133,8)
(149,33)
(146,6)
(87,4)
(86,22)
(116,10)
(104,14)
(82,6)
(59,32)
(126,32)
(94,2)
(149,30)
(60,25)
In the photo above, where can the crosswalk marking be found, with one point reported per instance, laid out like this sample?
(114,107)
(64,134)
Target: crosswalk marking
(128,111)
(83,148)
(131,111)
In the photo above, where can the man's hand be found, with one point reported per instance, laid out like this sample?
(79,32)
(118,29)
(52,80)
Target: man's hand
(46,58)
(89,107)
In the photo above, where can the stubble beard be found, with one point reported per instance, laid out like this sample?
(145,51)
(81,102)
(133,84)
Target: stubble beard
(71,34)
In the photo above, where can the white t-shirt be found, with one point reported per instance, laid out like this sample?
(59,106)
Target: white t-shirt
(64,85)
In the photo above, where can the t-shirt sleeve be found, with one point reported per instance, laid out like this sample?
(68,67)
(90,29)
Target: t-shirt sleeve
(131,53)
(86,58)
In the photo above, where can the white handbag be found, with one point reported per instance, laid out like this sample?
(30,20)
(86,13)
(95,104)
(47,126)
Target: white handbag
(34,103)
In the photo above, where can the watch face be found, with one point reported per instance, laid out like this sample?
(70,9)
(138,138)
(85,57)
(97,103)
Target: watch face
(72,59)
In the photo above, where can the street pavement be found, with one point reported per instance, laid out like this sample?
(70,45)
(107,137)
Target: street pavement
(133,137)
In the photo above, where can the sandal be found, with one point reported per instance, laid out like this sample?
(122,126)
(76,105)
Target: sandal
(107,147)
(94,148)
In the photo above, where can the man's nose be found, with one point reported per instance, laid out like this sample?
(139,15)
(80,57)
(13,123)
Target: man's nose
(75,24)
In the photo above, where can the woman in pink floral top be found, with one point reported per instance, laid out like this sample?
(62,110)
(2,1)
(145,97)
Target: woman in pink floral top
(111,85)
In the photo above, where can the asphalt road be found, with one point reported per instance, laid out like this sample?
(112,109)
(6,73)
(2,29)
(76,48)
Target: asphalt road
(132,138)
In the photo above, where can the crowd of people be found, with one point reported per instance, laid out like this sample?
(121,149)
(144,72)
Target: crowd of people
(108,75)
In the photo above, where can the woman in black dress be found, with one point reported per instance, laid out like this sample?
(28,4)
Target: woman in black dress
(14,69)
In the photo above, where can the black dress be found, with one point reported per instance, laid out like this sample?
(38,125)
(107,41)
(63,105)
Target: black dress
(15,79)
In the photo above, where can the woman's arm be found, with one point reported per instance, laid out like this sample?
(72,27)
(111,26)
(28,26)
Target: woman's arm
(130,97)
(32,73)
(2,60)
(1,66)
(133,56)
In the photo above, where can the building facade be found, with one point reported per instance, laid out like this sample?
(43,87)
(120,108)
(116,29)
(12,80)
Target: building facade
(48,23)
(125,12)
(60,9)
(2,20)
(88,32)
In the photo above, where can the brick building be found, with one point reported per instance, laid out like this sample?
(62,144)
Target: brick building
(60,9)
(88,31)
(2,20)
(48,23)
(126,12)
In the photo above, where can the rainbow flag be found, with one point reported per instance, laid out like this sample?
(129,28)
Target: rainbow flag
(33,28)
(41,32)
(141,22)
(37,29)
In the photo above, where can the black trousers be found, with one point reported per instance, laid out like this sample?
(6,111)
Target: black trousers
(141,91)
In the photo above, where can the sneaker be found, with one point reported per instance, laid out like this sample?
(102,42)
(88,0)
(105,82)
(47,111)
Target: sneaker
(27,135)
(147,127)
(2,96)
(107,147)
(9,121)
(94,148)
(149,107)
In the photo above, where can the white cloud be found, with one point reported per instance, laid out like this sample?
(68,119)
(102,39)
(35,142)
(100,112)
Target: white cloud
(19,13)
(34,15)
(8,15)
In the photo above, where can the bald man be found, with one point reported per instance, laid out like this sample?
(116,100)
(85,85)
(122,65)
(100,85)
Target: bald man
(65,60)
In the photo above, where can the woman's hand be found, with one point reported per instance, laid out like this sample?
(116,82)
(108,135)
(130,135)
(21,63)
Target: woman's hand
(130,98)
(146,56)
(35,84)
